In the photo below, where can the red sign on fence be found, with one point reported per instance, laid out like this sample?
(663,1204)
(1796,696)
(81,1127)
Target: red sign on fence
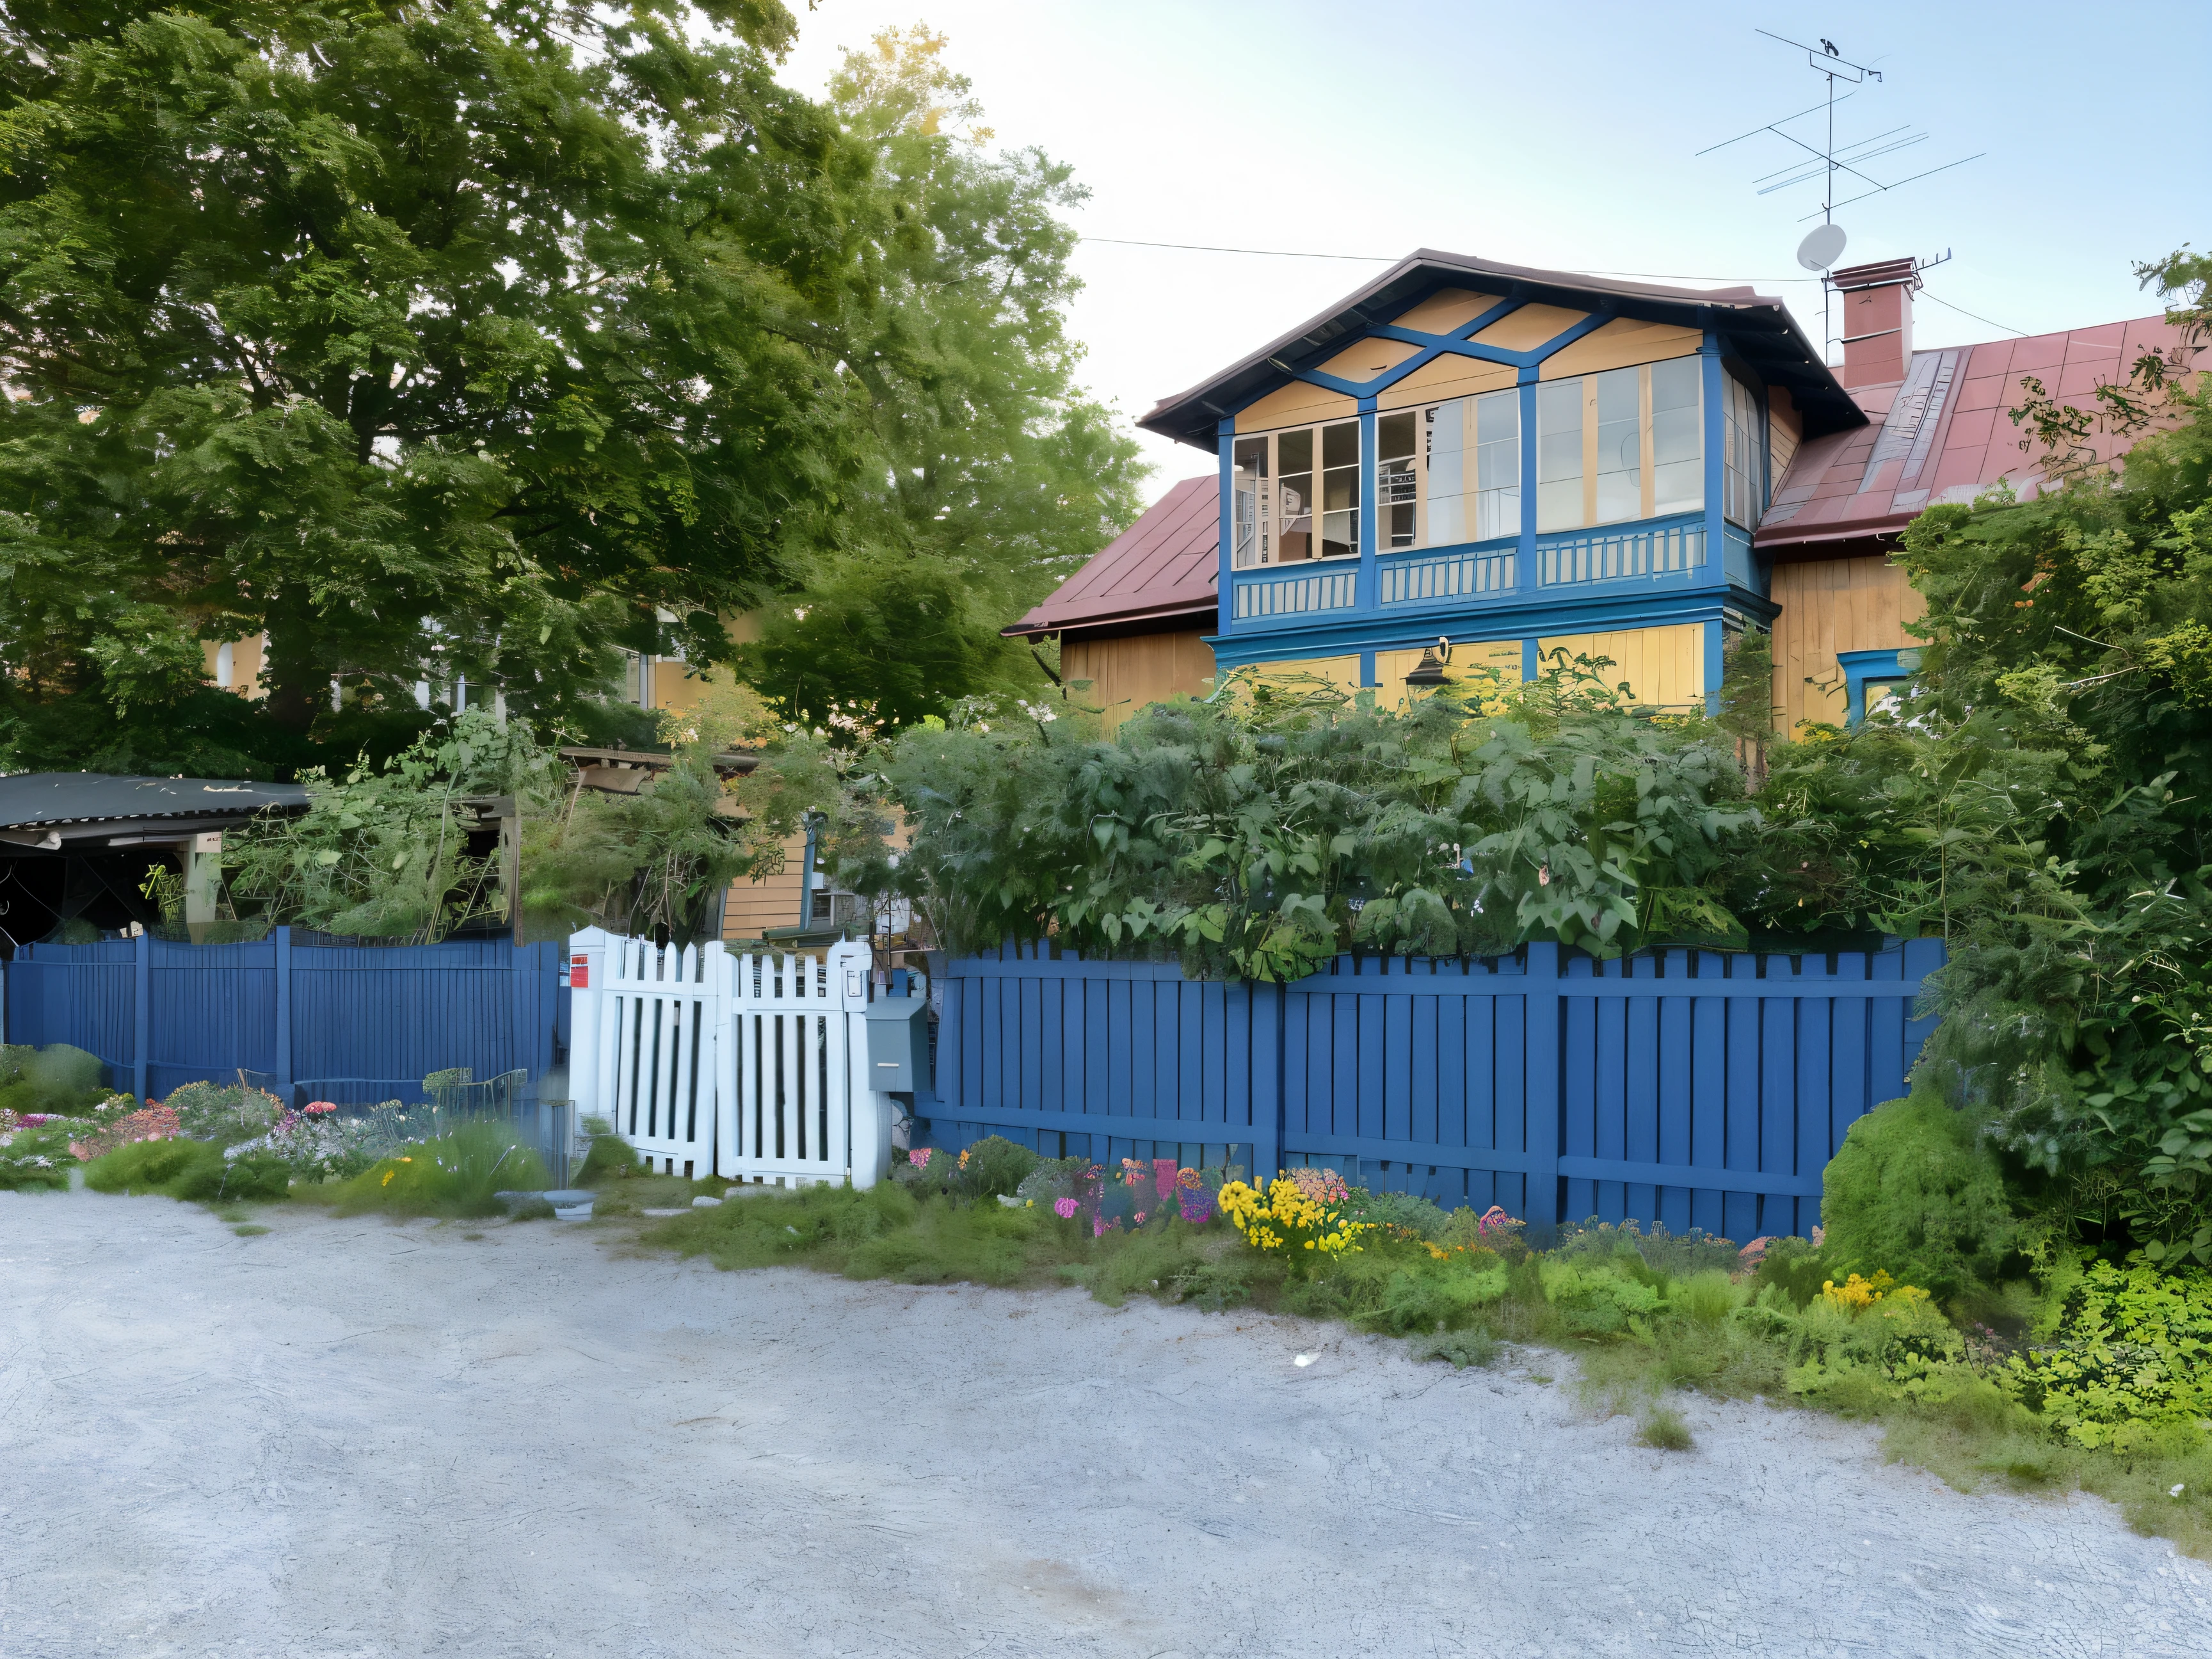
(579,973)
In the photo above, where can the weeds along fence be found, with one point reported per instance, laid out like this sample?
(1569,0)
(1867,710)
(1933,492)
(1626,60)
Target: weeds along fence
(306,1016)
(1688,1088)
(754,1068)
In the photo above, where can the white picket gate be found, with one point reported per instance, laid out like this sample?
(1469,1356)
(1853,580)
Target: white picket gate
(753,1069)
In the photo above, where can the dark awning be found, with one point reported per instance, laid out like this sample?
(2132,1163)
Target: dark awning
(93,811)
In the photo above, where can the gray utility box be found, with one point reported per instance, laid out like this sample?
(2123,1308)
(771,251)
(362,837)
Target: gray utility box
(898,1044)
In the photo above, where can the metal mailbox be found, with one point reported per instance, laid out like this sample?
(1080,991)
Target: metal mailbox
(898,1044)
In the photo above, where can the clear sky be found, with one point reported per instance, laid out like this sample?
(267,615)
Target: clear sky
(1565,136)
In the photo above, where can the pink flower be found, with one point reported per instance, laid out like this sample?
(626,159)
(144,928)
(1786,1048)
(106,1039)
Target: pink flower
(920,1156)
(1063,1207)
(1755,1252)
(1163,1174)
(322,1106)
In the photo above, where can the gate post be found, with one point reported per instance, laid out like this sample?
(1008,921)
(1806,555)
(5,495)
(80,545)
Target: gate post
(869,1114)
(587,971)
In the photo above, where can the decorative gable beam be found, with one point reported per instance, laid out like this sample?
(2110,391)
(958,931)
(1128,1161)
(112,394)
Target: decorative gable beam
(1459,343)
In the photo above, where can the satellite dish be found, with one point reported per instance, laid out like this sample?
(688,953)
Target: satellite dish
(1822,246)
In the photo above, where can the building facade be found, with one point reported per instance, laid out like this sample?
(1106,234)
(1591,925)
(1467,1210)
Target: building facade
(1526,463)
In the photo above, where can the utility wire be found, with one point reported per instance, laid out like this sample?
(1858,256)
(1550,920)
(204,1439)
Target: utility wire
(1392,259)
(1963,312)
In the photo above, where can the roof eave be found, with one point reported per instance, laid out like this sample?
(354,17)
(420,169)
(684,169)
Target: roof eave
(1190,416)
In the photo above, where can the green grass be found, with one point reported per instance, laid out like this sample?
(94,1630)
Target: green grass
(454,1177)
(192,1171)
(1640,1335)
(1663,1430)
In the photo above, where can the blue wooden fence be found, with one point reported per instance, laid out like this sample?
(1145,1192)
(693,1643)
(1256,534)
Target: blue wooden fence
(1688,1088)
(349,1023)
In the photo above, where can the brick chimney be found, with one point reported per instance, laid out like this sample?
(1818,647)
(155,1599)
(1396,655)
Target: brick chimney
(1877,306)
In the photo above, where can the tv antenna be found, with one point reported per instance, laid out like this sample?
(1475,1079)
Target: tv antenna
(1824,244)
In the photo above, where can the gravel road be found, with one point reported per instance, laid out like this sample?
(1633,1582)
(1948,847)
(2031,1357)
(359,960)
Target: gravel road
(350,1438)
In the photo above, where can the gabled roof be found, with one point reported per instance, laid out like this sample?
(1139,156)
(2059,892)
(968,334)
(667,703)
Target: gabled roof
(1163,567)
(1763,330)
(1941,433)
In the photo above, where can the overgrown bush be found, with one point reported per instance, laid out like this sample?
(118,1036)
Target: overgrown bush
(455,1174)
(194,1171)
(1914,1192)
(54,1079)
(223,1113)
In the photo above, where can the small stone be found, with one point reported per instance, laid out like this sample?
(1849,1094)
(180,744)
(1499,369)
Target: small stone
(702,1202)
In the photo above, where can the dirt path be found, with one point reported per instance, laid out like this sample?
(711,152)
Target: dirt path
(349,1438)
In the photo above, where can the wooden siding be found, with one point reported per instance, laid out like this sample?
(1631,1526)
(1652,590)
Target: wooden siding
(1785,430)
(1447,377)
(1446,309)
(1529,327)
(1391,667)
(245,665)
(1622,343)
(753,907)
(1340,672)
(1665,667)
(1137,669)
(1368,359)
(1294,405)
(1830,605)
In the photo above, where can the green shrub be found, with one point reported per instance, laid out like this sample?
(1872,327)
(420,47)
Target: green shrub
(194,1171)
(455,1174)
(2129,1356)
(1417,1215)
(36,1159)
(223,1113)
(611,1156)
(1912,1192)
(992,1166)
(58,1078)
(1794,1266)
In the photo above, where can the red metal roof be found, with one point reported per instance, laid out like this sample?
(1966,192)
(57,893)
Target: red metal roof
(1941,435)
(1165,565)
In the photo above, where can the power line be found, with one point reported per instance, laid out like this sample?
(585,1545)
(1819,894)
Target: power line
(1963,312)
(1392,259)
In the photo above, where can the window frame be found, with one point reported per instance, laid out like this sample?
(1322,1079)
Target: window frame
(1423,497)
(1646,466)
(1268,515)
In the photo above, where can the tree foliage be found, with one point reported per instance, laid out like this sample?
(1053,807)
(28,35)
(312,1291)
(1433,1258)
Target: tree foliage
(993,475)
(1265,829)
(481,339)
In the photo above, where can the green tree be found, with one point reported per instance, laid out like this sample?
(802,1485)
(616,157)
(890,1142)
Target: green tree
(993,475)
(475,336)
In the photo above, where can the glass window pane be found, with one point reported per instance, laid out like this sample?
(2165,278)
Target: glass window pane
(1339,444)
(1446,466)
(1678,450)
(1397,492)
(1251,548)
(1497,465)
(1619,447)
(1559,455)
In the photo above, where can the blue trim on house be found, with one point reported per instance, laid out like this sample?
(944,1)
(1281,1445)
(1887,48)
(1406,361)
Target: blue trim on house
(1861,667)
(1367,586)
(1531,664)
(1346,631)
(1226,430)
(1454,344)
(1712,393)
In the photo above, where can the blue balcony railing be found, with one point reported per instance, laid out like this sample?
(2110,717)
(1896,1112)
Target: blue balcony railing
(1607,555)
(1288,596)
(1464,572)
